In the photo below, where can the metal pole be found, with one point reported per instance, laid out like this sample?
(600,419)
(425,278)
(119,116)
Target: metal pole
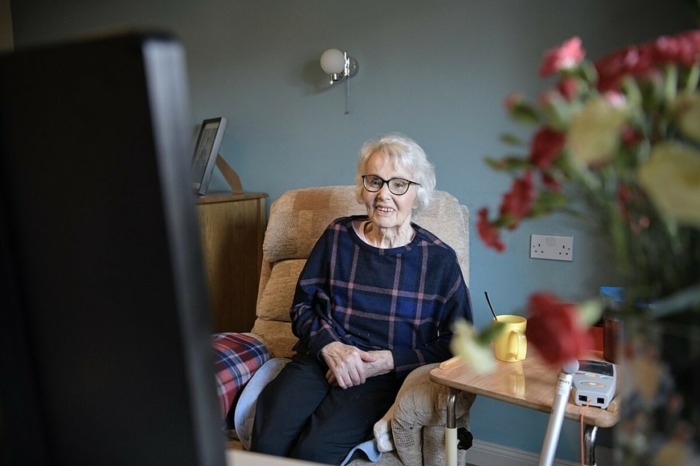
(451,429)
(563,389)
(589,436)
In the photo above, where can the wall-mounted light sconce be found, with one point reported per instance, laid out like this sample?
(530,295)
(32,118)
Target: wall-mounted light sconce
(339,66)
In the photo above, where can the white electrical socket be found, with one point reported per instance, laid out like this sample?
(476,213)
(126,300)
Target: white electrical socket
(556,248)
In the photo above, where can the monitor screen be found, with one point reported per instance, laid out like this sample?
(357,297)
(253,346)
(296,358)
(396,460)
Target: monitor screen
(104,322)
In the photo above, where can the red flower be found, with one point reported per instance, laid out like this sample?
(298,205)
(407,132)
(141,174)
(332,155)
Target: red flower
(488,232)
(568,87)
(555,330)
(546,147)
(628,205)
(567,55)
(517,203)
(613,68)
(630,136)
(549,182)
(683,48)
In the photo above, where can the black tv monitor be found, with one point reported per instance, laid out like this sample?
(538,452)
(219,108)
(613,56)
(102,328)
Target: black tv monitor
(105,328)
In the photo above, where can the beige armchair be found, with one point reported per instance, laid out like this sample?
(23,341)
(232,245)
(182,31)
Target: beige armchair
(297,219)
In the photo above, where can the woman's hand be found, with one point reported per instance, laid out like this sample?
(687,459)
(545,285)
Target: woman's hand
(349,366)
(382,364)
(346,364)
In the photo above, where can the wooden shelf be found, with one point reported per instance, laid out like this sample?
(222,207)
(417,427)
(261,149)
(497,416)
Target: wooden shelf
(215,197)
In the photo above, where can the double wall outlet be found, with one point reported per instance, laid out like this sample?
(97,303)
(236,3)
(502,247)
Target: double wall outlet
(556,248)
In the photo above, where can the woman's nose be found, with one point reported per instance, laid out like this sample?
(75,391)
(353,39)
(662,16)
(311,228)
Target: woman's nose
(384,192)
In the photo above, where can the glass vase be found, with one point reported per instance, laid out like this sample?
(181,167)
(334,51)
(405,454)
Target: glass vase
(659,382)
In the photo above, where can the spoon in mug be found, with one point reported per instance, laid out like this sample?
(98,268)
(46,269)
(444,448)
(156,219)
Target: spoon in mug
(488,300)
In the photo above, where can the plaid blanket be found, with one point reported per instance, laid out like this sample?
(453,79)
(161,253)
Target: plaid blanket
(238,356)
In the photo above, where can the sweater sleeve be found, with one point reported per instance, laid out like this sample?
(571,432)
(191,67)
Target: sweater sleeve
(311,308)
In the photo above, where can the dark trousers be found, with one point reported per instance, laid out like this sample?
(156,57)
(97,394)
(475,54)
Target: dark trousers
(299,415)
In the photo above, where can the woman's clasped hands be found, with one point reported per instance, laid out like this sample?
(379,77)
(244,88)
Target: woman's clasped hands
(349,366)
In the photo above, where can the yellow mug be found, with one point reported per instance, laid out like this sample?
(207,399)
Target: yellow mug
(511,345)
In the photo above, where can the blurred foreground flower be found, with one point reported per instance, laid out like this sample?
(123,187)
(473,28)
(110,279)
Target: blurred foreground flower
(474,348)
(672,178)
(617,143)
(559,330)
(621,134)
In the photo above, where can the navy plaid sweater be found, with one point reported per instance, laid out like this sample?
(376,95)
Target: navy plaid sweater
(402,299)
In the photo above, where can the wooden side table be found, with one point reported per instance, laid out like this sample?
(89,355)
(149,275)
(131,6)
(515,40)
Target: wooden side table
(232,230)
(530,384)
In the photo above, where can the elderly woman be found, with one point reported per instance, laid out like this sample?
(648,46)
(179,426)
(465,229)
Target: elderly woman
(376,299)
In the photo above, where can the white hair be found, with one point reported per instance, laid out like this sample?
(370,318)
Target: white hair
(405,154)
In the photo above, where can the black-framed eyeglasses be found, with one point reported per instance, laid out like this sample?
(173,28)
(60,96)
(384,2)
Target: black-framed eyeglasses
(397,186)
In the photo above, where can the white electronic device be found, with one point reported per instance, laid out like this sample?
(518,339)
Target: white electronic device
(594,383)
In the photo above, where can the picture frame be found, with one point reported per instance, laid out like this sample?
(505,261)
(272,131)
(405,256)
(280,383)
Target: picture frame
(206,152)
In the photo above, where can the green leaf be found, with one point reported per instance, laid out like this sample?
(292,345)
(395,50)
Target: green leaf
(525,113)
(692,78)
(547,203)
(670,83)
(588,72)
(558,112)
(511,139)
(510,163)
(632,93)
(554,198)
(490,333)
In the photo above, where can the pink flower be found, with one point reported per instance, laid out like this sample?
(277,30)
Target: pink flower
(555,329)
(616,99)
(546,147)
(488,233)
(566,56)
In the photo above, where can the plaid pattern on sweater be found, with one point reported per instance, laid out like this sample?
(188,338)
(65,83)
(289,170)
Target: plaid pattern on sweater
(402,299)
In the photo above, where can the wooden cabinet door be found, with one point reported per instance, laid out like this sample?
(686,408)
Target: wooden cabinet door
(232,230)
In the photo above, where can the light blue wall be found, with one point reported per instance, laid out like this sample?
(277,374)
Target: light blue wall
(436,70)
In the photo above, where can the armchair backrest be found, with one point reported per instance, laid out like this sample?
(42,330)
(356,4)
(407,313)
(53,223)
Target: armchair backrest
(297,219)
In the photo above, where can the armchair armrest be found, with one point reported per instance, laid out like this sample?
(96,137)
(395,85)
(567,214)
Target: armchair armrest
(418,418)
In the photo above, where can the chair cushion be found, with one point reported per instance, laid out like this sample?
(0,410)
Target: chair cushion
(449,221)
(276,298)
(298,218)
(278,336)
(238,357)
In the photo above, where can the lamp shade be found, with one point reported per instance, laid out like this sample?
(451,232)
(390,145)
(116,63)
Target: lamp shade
(333,61)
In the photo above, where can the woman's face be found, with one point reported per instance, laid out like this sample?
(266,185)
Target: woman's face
(387,210)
